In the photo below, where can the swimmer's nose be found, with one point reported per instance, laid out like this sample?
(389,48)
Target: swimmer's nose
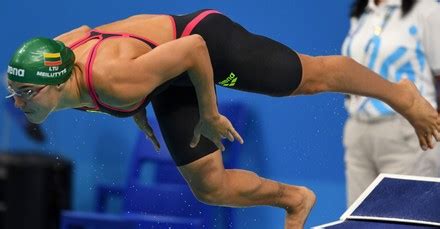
(19,103)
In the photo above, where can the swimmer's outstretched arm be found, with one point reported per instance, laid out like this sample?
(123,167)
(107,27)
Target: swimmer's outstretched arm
(169,60)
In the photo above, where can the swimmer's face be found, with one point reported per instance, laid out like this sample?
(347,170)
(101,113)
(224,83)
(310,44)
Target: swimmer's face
(36,101)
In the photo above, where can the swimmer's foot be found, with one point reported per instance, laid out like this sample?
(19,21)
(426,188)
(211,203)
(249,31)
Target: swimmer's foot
(419,112)
(301,201)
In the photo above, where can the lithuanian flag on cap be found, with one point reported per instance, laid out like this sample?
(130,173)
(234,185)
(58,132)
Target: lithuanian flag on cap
(52,59)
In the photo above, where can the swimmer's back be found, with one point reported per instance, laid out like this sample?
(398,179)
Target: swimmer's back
(158,28)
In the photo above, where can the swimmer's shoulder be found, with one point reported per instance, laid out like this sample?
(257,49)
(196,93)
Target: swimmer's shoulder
(116,82)
(119,90)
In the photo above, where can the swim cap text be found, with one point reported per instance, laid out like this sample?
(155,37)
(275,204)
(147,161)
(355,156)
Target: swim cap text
(16,71)
(52,74)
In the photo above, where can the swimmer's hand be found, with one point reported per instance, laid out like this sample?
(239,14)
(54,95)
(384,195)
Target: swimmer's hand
(141,121)
(215,129)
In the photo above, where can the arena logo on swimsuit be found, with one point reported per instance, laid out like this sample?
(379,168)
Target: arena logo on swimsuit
(16,71)
(230,81)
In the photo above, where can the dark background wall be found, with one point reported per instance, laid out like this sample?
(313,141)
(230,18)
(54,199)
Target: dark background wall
(294,140)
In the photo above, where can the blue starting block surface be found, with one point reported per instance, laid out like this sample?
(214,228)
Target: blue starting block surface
(399,198)
(394,201)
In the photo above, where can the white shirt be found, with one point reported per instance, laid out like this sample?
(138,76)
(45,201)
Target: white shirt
(395,48)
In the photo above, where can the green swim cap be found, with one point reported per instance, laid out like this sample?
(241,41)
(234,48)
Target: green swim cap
(41,61)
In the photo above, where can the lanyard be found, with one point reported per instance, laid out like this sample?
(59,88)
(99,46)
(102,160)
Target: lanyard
(378,30)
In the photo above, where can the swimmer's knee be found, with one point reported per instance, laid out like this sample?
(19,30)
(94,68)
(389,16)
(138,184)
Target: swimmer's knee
(320,72)
(206,178)
(211,198)
(313,72)
(210,188)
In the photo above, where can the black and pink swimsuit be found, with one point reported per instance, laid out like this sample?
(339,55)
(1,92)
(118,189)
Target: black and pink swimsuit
(240,60)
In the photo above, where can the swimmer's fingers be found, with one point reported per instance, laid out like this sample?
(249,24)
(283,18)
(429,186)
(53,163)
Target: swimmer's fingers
(425,140)
(141,121)
(229,136)
(432,136)
(156,144)
(431,139)
(422,142)
(219,144)
(236,135)
(217,140)
(229,130)
(140,117)
(148,130)
(150,134)
(437,135)
(196,138)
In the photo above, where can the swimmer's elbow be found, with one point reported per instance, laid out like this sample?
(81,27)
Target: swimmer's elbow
(197,39)
(199,44)
(198,50)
